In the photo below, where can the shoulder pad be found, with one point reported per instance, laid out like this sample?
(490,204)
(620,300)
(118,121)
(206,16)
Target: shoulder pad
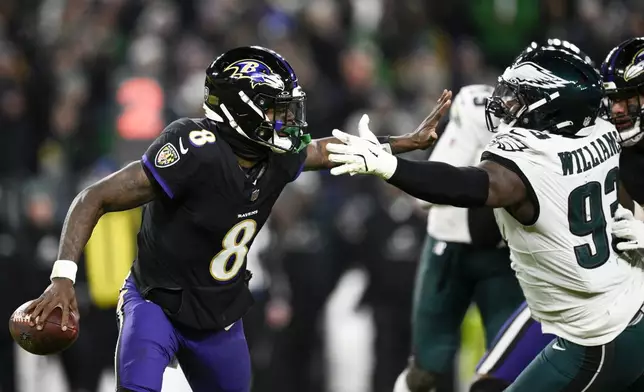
(178,125)
(182,126)
(189,136)
(521,140)
(509,141)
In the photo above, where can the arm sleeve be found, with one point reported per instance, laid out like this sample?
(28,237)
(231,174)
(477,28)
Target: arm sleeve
(169,165)
(441,183)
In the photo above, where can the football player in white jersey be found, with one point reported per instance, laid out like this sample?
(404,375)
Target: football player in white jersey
(623,74)
(462,261)
(551,174)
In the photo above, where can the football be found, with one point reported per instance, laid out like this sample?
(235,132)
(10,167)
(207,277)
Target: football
(50,340)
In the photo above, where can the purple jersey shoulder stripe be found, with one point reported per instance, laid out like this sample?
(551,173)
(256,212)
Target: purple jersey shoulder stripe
(157,176)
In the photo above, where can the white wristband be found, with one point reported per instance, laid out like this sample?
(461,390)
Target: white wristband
(64,269)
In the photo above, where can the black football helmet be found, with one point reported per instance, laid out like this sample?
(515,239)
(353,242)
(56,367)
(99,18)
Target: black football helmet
(546,89)
(623,76)
(256,92)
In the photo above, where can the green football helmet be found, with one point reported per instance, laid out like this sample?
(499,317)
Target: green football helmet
(546,89)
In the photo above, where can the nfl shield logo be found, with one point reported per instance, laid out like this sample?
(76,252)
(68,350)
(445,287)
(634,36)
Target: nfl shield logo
(254,195)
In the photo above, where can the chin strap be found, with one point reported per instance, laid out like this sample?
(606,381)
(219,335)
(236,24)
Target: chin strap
(241,144)
(211,115)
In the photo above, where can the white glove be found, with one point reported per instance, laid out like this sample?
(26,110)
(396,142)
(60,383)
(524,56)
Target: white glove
(361,155)
(628,229)
(401,382)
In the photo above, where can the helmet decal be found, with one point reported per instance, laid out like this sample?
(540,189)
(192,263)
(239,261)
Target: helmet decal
(258,73)
(546,89)
(531,74)
(636,68)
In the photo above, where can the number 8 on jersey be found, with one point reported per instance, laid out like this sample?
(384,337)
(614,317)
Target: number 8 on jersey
(235,246)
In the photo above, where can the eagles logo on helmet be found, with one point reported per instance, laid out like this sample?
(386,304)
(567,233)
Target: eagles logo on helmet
(546,89)
(533,74)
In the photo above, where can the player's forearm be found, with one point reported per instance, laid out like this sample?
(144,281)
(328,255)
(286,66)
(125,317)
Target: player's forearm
(126,189)
(82,217)
(401,144)
(440,183)
(317,158)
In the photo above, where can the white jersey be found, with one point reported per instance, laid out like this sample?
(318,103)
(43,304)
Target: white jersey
(461,144)
(574,283)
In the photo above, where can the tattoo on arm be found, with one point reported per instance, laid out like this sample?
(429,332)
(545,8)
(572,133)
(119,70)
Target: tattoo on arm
(126,189)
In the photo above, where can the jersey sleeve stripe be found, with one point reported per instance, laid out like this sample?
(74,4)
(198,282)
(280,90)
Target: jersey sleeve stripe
(508,164)
(157,177)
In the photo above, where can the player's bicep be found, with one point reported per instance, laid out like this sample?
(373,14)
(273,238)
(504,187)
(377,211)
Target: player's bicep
(127,188)
(506,187)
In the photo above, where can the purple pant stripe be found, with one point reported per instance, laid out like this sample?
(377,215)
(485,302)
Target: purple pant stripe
(516,345)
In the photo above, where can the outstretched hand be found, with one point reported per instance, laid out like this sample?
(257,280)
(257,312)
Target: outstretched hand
(425,134)
(365,155)
(360,155)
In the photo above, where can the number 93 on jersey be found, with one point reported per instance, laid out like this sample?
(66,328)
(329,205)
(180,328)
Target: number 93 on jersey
(234,248)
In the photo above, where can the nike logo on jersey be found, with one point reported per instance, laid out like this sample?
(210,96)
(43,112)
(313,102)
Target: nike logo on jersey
(181,148)
(590,155)
(556,346)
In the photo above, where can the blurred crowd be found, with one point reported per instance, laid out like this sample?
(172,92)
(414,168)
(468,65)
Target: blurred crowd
(85,85)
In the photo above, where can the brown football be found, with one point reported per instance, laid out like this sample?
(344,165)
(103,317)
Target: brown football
(50,340)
